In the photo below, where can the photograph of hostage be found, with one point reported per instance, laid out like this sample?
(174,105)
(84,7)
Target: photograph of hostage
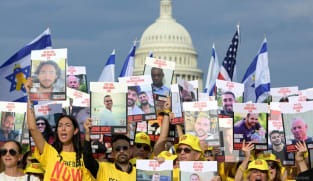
(158,87)
(73,82)
(250,129)
(299,130)
(228,99)
(132,97)
(48,73)
(7,131)
(145,106)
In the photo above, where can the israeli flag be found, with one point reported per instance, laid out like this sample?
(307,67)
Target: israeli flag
(15,71)
(128,66)
(213,71)
(108,71)
(257,78)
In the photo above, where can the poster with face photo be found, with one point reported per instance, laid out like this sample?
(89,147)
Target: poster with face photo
(228,93)
(228,154)
(12,120)
(201,120)
(195,84)
(281,93)
(161,72)
(298,124)
(48,71)
(152,170)
(186,90)
(51,113)
(140,102)
(197,170)
(80,106)
(76,78)
(250,124)
(108,108)
(276,143)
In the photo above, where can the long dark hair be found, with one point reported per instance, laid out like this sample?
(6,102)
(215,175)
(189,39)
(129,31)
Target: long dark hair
(76,139)
(48,130)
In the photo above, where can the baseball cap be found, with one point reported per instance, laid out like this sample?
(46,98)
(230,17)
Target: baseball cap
(167,155)
(34,168)
(142,138)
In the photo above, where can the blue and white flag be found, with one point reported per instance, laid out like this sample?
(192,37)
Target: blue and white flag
(128,66)
(15,71)
(108,71)
(257,78)
(213,71)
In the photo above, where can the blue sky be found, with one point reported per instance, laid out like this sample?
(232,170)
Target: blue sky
(92,29)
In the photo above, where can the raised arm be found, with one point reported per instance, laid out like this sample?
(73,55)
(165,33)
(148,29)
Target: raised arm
(90,162)
(31,119)
(243,166)
(160,144)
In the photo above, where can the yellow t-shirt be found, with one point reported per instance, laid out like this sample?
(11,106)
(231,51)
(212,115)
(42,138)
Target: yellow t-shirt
(66,170)
(108,171)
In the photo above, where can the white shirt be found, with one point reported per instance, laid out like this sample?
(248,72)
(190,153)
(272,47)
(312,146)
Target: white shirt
(4,177)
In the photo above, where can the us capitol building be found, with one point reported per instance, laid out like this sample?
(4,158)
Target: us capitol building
(169,40)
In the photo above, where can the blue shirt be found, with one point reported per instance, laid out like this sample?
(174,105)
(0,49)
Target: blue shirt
(161,90)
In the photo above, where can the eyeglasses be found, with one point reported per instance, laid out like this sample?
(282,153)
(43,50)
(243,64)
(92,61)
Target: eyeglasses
(186,150)
(38,124)
(119,148)
(208,153)
(12,152)
(145,147)
(272,165)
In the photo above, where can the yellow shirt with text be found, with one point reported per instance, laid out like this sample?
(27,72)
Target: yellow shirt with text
(65,170)
(107,171)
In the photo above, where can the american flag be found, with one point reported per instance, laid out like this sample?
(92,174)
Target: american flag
(229,63)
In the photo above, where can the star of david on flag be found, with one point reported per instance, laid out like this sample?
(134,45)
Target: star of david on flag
(15,71)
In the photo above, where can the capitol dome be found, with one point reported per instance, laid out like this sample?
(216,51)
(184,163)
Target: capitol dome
(169,40)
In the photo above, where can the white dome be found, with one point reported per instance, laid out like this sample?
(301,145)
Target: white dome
(166,32)
(170,41)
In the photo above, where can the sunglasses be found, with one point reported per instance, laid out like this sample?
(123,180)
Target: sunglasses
(119,148)
(12,152)
(186,150)
(208,153)
(272,165)
(38,124)
(145,147)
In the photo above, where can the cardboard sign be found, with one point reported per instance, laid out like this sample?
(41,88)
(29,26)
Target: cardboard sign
(152,170)
(76,78)
(140,102)
(201,120)
(201,170)
(108,108)
(48,69)
(161,72)
(281,92)
(12,116)
(255,116)
(228,93)
(298,123)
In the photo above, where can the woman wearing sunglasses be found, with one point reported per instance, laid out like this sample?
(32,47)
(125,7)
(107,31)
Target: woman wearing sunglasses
(62,160)
(45,129)
(11,154)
